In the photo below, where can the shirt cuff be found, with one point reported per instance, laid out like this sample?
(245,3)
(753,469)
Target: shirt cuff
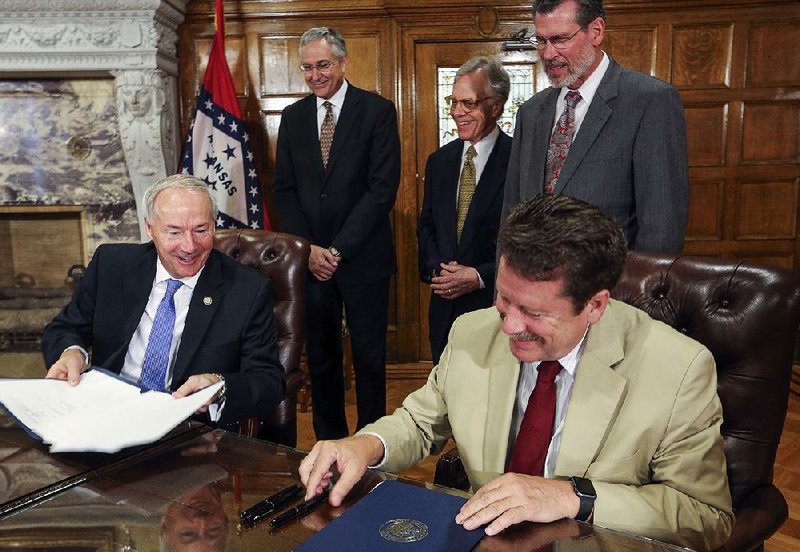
(81,349)
(481,285)
(385,449)
(215,410)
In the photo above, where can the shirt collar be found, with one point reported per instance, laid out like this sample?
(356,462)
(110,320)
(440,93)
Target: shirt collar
(337,100)
(568,362)
(485,146)
(162,275)
(590,86)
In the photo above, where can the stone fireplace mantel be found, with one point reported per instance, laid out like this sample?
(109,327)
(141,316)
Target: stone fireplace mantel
(135,41)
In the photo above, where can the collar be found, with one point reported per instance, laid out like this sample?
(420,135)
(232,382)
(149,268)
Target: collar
(162,275)
(568,362)
(485,146)
(589,87)
(337,100)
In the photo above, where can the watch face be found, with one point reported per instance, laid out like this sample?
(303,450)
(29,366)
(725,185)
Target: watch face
(583,486)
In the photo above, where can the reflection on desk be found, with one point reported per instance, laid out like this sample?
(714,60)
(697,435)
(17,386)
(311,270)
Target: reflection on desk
(190,497)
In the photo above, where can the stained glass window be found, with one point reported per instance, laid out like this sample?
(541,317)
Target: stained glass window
(521,76)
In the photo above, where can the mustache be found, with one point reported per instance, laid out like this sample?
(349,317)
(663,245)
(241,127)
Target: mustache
(525,336)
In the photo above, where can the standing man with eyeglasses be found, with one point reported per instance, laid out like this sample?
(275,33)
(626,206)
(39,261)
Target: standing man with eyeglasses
(337,169)
(613,137)
(457,230)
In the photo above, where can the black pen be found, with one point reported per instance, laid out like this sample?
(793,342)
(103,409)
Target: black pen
(298,511)
(271,504)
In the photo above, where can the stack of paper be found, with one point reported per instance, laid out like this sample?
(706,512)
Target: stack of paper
(101,414)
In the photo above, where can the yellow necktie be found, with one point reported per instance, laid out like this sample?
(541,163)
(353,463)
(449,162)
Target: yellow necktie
(466,189)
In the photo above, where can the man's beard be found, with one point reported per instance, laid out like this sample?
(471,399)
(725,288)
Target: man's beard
(577,71)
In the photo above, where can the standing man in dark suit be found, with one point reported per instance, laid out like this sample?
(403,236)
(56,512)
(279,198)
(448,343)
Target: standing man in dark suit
(457,230)
(337,170)
(174,313)
(619,144)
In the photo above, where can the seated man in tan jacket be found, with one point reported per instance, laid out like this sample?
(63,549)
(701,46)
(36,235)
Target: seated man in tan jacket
(563,401)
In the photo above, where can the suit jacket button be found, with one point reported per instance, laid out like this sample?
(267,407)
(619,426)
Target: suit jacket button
(323,196)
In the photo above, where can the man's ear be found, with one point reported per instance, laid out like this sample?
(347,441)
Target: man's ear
(597,305)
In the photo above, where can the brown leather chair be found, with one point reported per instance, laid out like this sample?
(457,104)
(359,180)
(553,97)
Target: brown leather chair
(747,315)
(284,259)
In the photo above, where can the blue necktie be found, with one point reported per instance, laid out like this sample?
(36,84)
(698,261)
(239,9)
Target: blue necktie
(156,357)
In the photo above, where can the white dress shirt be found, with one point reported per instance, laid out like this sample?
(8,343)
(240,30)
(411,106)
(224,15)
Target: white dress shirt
(564,380)
(483,149)
(587,90)
(337,101)
(134,359)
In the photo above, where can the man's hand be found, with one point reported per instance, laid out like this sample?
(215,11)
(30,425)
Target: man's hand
(351,457)
(322,263)
(196,383)
(514,498)
(70,365)
(455,280)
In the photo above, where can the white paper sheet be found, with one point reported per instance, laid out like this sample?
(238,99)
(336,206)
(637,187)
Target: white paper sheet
(100,414)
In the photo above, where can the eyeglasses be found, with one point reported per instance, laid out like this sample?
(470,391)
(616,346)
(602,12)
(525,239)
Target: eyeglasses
(322,66)
(466,105)
(557,42)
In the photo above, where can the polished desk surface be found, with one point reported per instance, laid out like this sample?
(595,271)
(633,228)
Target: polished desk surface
(190,492)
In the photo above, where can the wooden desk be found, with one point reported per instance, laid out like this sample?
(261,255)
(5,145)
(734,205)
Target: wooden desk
(191,494)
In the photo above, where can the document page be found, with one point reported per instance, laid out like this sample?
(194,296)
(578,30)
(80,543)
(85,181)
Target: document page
(100,414)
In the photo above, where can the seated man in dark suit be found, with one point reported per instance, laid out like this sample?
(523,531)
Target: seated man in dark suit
(457,231)
(174,313)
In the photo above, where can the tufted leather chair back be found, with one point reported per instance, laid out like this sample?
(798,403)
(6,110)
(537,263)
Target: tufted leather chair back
(747,316)
(283,258)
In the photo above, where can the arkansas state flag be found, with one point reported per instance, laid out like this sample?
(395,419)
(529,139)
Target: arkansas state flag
(218,147)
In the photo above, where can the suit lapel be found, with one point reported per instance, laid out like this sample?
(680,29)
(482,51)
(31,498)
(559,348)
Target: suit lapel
(347,118)
(450,193)
(502,392)
(136,286)
(596,398)
(541,141)
(311,129)
(137,282)
(204,304)
(596,118)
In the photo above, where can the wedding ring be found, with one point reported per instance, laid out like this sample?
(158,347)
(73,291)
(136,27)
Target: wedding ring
(449,291)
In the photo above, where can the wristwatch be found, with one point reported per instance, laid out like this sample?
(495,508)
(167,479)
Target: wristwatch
(335,252)
(585,490)
(221,393)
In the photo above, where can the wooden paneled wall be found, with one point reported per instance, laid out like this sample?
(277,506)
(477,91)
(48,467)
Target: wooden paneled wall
(735,62)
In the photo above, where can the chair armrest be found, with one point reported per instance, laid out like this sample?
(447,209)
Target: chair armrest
(758,517)
(450,471)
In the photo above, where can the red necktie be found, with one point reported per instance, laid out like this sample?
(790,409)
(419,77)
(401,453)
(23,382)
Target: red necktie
(530,449)
(560,141)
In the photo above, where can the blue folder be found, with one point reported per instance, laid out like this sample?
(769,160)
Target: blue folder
(397,516)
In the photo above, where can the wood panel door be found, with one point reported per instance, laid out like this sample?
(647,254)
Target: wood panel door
(429,58)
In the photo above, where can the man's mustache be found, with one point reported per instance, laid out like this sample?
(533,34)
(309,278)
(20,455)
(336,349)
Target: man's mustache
(525,336)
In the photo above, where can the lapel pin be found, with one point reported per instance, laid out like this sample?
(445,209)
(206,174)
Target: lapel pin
(207,300)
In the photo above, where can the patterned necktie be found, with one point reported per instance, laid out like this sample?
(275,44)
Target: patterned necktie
(560,141)
(530,448)
(156,357)
(326,132)
(466,189)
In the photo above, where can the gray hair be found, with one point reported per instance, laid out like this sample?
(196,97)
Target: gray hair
(177,181)
(499,82)
(588,10)
(330,36)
